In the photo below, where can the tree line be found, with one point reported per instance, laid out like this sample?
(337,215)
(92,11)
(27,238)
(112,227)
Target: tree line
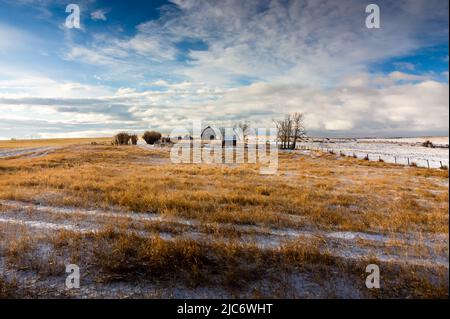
(290,130)
(123,138)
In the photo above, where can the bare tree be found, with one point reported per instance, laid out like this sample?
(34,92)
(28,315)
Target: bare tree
(298,128)
(244,126)
(290,130)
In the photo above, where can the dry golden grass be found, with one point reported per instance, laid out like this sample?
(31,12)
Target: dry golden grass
(234,266)
(319,192)
(327,192)
(21,253)
(7,289)
(52,142)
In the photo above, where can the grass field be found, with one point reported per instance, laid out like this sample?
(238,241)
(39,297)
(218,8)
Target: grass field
(140,226)
(51,142)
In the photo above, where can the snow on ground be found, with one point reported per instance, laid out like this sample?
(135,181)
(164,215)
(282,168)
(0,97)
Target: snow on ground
(352,245)
(438,141)
(28,152)
(389,150)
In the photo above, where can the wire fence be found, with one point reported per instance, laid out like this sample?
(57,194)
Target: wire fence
(394,159)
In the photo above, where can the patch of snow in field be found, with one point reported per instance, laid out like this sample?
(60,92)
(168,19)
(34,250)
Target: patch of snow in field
(389,150)
(349,245)
(286,232)
(438,141)
(341,249)
(29,152)
(43,225)
(94,213)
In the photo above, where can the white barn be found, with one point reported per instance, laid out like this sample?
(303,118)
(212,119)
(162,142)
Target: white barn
(211,134)
(208,134)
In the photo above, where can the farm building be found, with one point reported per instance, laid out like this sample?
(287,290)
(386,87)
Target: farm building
(209,134)
(212,134)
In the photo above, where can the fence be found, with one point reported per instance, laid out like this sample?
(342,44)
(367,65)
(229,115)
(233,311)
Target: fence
(409,161)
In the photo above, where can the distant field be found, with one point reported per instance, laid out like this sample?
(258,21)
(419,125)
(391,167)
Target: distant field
(400,151)
(51,142)
(140,226)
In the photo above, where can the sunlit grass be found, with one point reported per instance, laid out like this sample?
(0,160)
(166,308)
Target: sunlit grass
(51,142)
(326,192)
(323,192)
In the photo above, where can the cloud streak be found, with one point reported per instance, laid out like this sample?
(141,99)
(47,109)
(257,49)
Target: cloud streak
(99,15)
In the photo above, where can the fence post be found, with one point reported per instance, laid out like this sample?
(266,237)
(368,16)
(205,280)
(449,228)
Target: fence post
(408,161)
(428,163)
(395,159)
(441,164)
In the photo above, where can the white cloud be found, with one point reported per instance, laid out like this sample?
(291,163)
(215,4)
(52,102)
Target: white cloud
(405,66)
(99,15)
(406,106)
(90,56)
(34,85)
(309,42)
(400,76)
(12,38)
(260,60)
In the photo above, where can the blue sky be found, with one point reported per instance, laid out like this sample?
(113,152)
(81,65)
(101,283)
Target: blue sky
(137,65)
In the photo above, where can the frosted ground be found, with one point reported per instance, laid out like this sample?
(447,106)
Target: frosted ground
(130,219)
(390,149)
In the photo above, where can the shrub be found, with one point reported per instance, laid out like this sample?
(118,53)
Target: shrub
(428,143)
(166,140)
(134,139)
(414,164)
(151,137)
(122,139)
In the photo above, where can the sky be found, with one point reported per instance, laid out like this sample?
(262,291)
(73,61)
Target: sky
(158,65)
